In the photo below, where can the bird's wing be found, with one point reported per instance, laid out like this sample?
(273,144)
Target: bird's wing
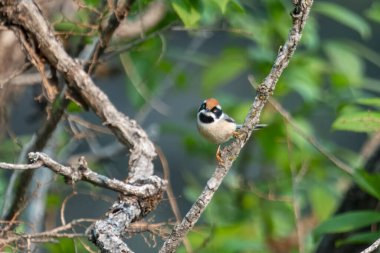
(228,118)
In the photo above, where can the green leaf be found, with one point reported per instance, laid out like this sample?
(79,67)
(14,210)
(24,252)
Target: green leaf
(348,222)
(63,245)
(66,26)
(222,4)
(229,65)
(138,65)
(373,12)
(368,237)
(358,122)
(365,52)
(237,6)
(304,84)
(347,65)
(369,101)
(371,84)
(344,16)
(186,12)
(322,201)
(368,182)
(74,107)
(92,2)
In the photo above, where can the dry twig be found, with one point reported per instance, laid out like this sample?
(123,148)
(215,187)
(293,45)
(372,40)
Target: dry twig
(50,235)
(81,172)
(311,139)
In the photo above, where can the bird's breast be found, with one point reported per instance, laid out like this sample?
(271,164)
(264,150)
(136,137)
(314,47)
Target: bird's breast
(217,132)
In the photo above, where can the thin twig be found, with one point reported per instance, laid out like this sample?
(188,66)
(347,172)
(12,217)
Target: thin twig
(82,172)
(171,197)
(118,14)
(11,166)
(213,30)
(49,88)
(112,52)
(63,207)
(311,139)
(146,20)
(231,152)
(296,178)
(88,124)
(45,236)
(14,74)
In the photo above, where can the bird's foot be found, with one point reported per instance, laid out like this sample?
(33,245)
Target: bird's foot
(219,156)
(238,134)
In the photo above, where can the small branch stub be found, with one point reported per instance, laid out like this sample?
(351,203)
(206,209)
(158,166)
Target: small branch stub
(263,92)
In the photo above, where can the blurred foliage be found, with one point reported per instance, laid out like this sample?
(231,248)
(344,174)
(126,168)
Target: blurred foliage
(280,181)
(69,245)
(285,169)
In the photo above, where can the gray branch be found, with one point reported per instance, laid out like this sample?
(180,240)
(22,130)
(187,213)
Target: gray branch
(373,247)
(26,14)
(106,234)
(80,172)
(19,182)
(231,152)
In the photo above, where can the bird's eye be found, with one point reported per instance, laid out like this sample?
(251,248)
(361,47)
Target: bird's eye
(217,111)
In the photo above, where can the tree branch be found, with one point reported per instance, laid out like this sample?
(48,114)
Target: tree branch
(81,172)
(106,34)
(39,141)
(372,248)
(127,131)
(106,234)
(150,17)
(46,235)
(311,139)
(231,152)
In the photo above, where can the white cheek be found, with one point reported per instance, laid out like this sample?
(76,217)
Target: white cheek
(209,114)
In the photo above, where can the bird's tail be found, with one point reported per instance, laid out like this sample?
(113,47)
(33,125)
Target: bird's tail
(257,127)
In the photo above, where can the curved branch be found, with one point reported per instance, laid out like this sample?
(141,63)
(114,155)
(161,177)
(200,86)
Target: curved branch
(231,152)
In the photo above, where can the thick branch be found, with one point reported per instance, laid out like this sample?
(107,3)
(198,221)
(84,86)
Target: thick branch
(38,142)
(105,233)
(231,152)
(26,14)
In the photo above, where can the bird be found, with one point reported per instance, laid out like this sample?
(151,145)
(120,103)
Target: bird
(216,126)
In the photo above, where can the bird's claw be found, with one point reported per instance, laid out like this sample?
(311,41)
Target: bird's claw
(219,156)
(239,134)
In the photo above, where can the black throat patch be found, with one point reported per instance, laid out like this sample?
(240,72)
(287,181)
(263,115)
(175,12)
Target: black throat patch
(205,119)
